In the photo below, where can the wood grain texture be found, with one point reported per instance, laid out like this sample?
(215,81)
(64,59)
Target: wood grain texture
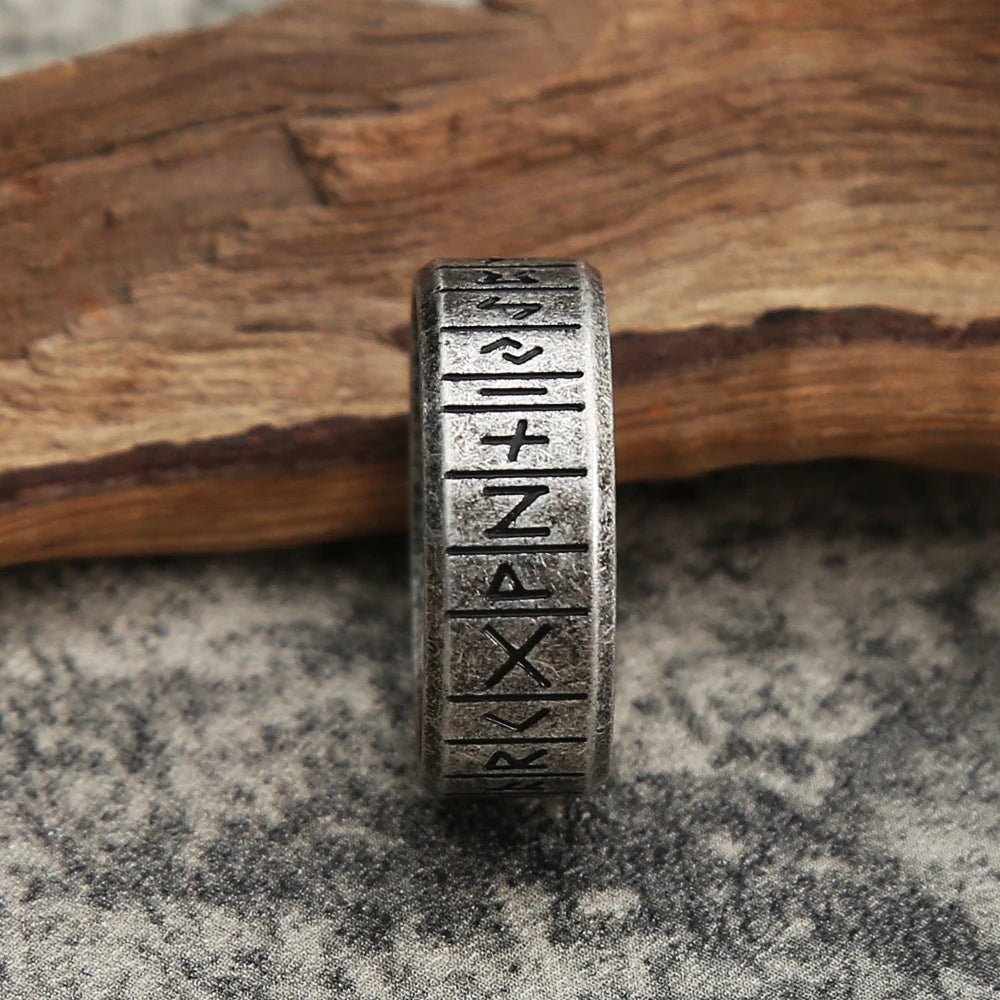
(206,245)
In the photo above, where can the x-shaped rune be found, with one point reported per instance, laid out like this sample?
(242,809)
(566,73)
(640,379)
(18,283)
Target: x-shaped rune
(518,656)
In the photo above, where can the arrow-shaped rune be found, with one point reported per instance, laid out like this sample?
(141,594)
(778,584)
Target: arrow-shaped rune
(515,359)
(518,727)
(516,310)
(499,344)
(517,278)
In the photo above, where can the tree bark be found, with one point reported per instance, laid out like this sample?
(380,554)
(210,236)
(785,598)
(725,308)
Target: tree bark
(206,245)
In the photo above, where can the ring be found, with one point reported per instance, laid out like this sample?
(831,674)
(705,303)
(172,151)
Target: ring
(512,527)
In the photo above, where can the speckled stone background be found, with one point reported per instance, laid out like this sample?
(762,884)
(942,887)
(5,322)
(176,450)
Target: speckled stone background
(204,762)
(206,789)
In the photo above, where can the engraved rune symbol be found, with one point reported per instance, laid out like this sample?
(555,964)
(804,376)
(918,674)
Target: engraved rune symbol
(518,656)
(516,310)
(523,725)
(520,785)
(516,441)
(517,278)
(506,586)
(505,527)
(503,760)
(515,359)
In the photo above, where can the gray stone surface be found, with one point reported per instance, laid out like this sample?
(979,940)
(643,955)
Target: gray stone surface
(206,785)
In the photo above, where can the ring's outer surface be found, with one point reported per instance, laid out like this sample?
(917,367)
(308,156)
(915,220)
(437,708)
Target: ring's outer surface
(513,527)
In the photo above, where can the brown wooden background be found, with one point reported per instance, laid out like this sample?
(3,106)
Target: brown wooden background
(206,244)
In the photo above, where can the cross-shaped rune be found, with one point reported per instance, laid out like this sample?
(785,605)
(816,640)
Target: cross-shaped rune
(516,441)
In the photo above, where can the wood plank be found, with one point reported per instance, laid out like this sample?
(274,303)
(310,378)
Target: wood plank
(206,244)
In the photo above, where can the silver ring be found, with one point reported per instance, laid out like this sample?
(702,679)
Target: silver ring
(512,527)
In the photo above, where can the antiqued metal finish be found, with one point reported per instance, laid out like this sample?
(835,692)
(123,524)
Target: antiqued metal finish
(513,527)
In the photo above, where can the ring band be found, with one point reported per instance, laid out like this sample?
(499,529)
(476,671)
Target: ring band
(512,527)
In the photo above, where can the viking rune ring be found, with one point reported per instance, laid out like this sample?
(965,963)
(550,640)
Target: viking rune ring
(513,527)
